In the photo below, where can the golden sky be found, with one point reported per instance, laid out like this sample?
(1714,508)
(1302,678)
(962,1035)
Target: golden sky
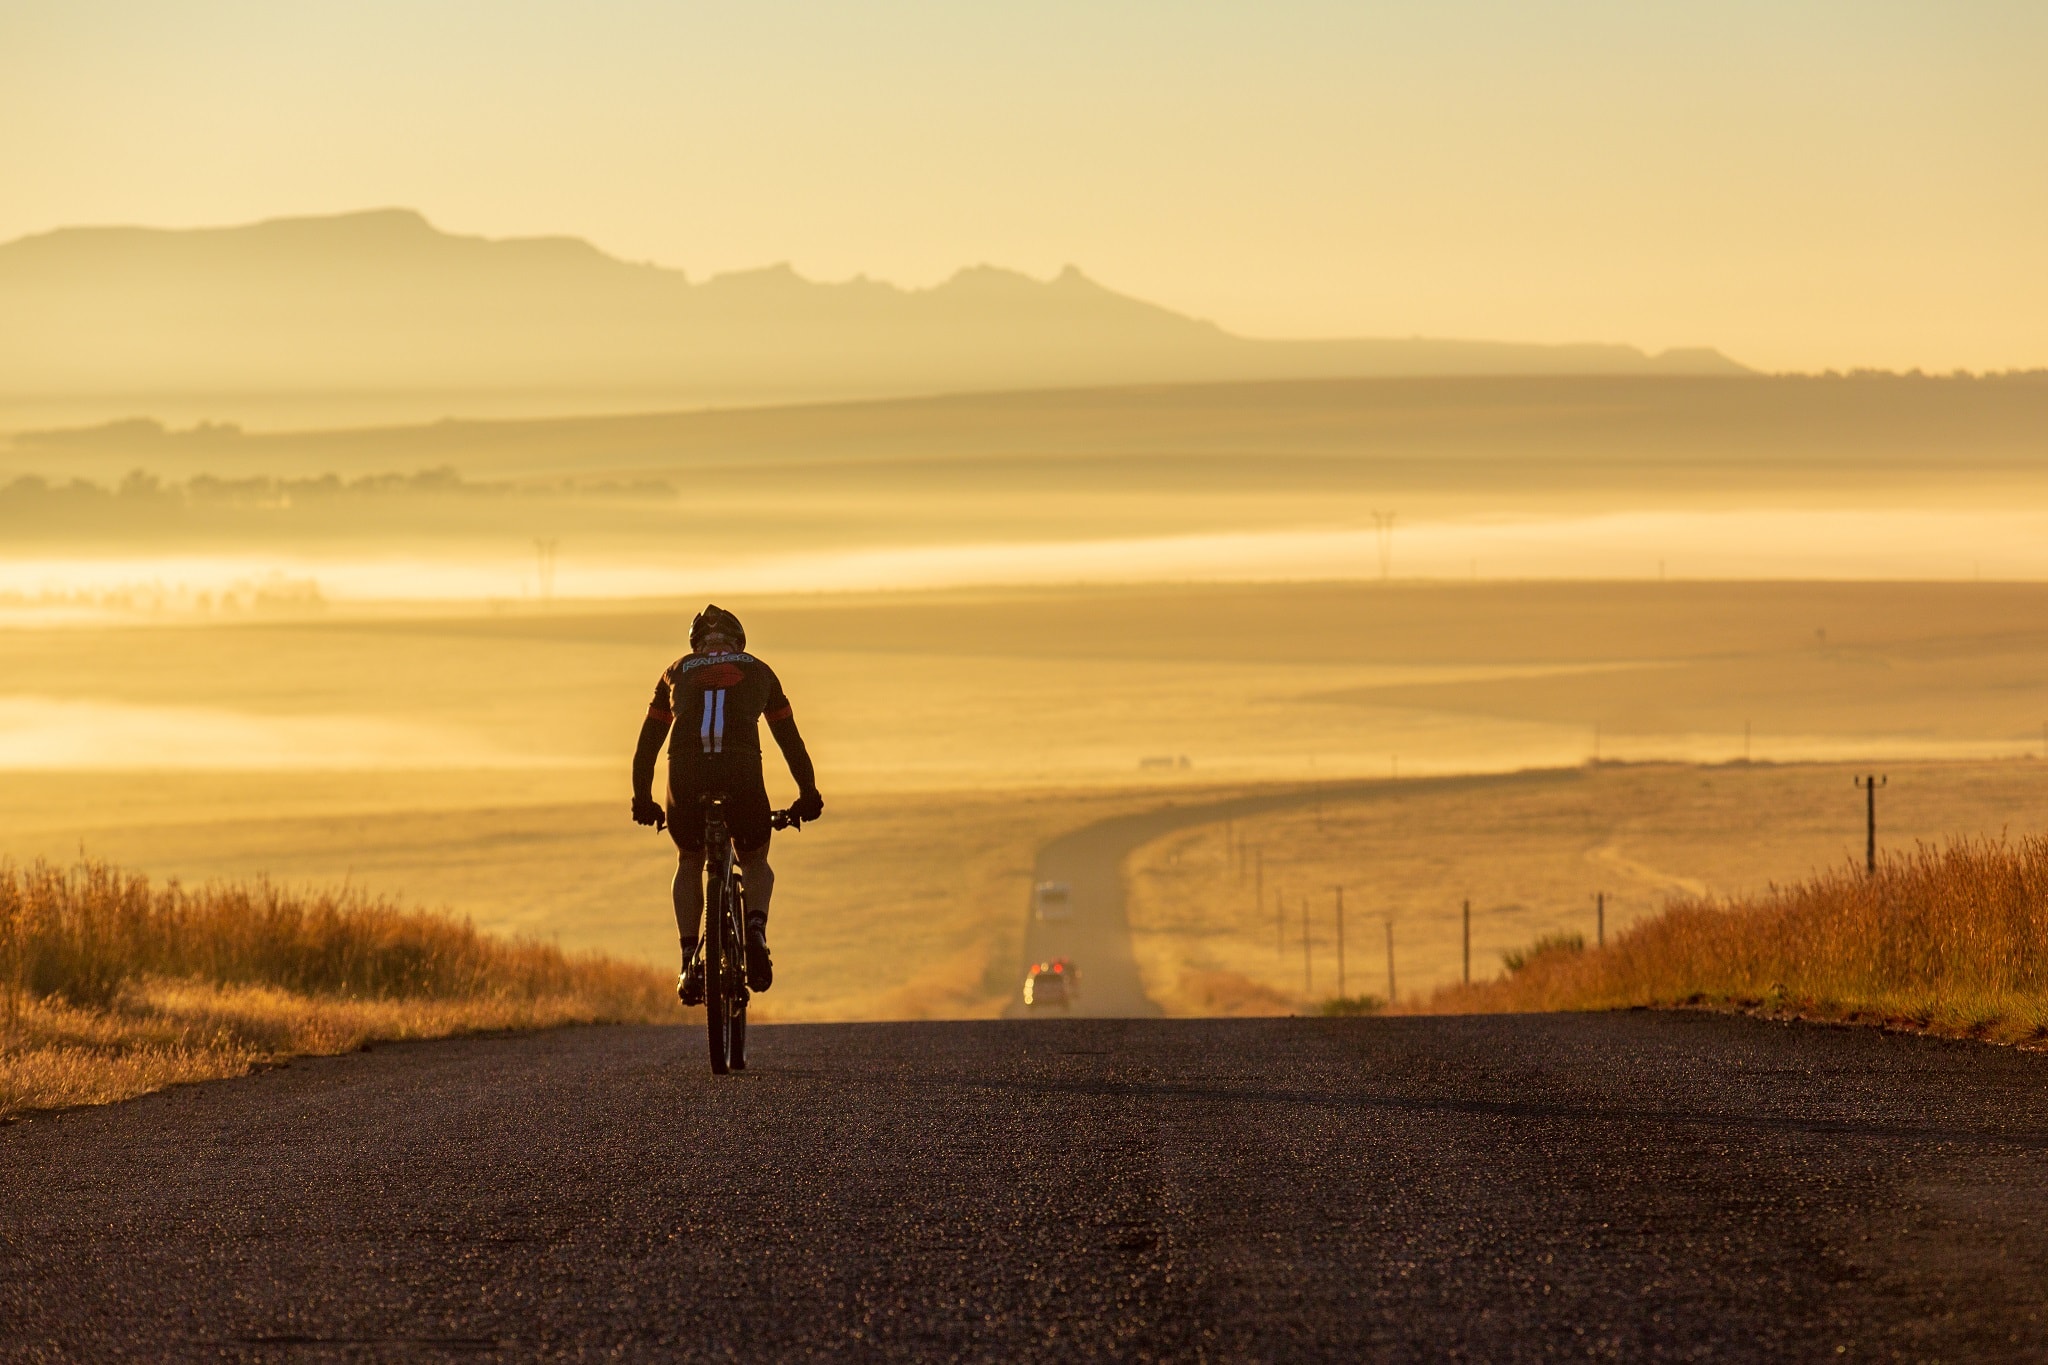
(1802,183)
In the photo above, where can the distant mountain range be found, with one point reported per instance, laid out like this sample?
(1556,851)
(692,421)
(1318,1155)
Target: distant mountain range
(385,302)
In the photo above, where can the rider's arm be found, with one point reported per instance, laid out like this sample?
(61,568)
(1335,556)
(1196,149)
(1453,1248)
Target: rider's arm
(660,716)
(783,727)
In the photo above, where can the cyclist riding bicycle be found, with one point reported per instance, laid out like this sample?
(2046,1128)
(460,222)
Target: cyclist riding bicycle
(709,704)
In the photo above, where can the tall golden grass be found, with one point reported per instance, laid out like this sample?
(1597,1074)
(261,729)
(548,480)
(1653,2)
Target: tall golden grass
(111,986)
(1950,940)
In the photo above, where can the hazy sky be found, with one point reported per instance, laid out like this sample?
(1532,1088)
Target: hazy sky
(1803,183)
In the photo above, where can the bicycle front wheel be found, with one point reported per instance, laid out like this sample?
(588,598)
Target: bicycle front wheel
(717,1006)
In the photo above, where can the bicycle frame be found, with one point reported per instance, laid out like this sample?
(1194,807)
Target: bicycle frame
(720,945)
(722,937)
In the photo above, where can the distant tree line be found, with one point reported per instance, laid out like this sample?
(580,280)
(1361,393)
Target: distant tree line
(81,502)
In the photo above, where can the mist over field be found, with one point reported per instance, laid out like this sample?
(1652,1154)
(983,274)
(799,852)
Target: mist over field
(1445,478)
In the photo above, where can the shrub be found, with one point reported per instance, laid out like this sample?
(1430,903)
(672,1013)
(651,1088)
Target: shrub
(110,986)
(82,933)
(1953,938)
(1515,959)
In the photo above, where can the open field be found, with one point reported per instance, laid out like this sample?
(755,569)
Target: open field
(912,904)
(1058,686)
(1217,912)
(475,758)
(894,907)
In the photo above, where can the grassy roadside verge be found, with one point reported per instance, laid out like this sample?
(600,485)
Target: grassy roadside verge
(111,986)
(1950,941)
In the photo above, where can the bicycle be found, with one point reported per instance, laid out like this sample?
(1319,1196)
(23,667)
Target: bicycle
(721,942)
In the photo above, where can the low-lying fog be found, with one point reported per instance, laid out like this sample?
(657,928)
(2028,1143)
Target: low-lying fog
(1765,543)
(417,660)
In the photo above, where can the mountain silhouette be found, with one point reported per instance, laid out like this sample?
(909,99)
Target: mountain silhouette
(384,301)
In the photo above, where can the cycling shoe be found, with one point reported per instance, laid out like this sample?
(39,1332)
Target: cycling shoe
(690,985)
(760,970)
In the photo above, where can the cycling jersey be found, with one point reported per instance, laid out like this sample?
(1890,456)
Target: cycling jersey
(714,704)
(710,706)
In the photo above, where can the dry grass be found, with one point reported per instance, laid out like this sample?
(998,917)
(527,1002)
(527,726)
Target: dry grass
(111,986)
(1211,994)
(898,905)
(1950,940)
(1529,856)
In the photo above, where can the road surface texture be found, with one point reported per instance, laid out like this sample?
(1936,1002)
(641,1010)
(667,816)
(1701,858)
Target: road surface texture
(1637,1186)
(1095,934)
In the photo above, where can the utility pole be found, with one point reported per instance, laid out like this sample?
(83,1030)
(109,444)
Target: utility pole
(1340,943)
(1468,941)
(544,553)
(1307,967)
(1390,961)
(1870,784)
(1599,919)
(1383,532)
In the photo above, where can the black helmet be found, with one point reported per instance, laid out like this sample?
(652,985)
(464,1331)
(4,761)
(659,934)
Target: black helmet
(715,617)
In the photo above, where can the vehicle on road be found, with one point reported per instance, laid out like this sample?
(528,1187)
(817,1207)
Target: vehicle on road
(1052,984)
(721,944)
(1053,900)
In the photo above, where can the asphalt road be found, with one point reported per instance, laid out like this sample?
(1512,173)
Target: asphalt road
(1095,934)
(1635,1186)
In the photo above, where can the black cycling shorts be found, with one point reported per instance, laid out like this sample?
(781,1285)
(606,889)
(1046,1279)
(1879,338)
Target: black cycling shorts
(746,812)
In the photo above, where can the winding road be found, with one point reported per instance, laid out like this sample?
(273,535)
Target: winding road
(1089,861)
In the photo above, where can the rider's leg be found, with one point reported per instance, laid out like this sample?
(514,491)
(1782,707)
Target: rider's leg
(760,886)
(688,894)
(753,824)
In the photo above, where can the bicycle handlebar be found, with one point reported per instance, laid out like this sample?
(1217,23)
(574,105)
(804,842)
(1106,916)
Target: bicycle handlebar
(781,819)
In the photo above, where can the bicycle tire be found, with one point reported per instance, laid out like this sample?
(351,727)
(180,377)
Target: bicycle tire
(735,921)
(717,1017)
(737,1036)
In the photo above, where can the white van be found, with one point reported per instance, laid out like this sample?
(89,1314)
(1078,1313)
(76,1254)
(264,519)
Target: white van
(1053,900)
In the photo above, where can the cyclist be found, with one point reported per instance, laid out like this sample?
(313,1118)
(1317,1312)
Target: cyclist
(709,703)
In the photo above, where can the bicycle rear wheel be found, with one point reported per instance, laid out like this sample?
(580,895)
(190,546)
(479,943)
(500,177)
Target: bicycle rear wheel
(717,1011)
